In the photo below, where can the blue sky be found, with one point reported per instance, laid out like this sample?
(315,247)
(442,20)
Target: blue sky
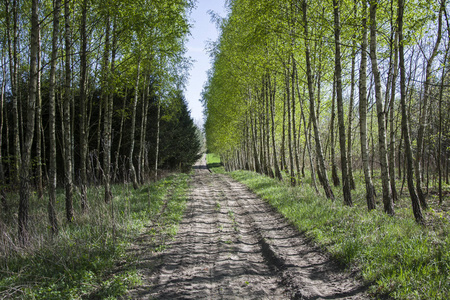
(203,30)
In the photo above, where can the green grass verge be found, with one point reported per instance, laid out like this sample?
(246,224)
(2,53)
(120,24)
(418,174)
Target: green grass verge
(82,261)
(399,258)
(214,164)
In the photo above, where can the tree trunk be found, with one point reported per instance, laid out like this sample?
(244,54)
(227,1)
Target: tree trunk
(340,105)
(158,123)
(25,168)
(283,141)
(52,120)
(321,161)
(334,175)
(119,144)
(3,201)
(66,111)
(370,191)
(40,189)
(133,129)
(386,185)
(423,115)
(441,90)
(294,131)
(13,67)
(141,155)
(267,124)
(288,106)
(392,123)
(254,143)
(272,94)
(308,141)
(83,112)
(107,100)
(408,153)
(350,115)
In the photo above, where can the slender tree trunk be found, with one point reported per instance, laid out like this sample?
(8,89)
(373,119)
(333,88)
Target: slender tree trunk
(387,194)
(52,120)
(13,67)
(321,161)
(340,105)
(141,155)
(370,191)
(25,168)
(158,123)
(267,125)
(283,139)
(3,201)
(254,143)
(68,163)
(291,156)
(308,141)
(83,113)
(350,116)
(119,144)
(272,94)
(40,189)
(334,175)
(107,98)
(294,131)
(261,142)
(392,122)
(439,161)
(423,115)
(133,129)
(408,153)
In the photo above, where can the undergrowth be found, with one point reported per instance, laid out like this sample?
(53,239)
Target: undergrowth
(81,262)
(397,257)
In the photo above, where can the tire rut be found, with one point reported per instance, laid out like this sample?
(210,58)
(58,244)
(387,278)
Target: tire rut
(232,245)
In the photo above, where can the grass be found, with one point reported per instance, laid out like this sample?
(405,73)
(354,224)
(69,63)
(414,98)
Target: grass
(214,164)
(82,260)
(399,258)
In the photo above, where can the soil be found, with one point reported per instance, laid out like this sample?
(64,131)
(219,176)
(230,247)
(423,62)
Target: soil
(232,245)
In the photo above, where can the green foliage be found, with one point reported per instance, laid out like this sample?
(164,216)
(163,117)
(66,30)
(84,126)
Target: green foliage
(82,260)
(400,258)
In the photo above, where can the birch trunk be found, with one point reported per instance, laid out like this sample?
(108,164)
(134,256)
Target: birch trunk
(67,134)
(25,167)
(381,114)
(370,191)
(408,153)
(321,161)
(423,115)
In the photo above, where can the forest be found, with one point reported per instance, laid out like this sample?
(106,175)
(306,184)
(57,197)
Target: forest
(333,113)
(336,95)
(92,94)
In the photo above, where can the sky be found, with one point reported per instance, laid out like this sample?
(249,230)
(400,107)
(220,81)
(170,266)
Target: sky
(203,30)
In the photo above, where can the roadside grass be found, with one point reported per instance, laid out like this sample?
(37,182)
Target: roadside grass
(214,164)
(397,257)
(81,262)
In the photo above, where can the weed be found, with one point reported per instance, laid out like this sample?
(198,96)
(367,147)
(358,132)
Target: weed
(233,220)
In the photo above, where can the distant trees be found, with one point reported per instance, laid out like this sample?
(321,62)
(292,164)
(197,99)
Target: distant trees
(75,82)
(290,43)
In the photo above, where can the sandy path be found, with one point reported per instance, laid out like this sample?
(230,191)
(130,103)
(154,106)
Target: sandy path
(232,245)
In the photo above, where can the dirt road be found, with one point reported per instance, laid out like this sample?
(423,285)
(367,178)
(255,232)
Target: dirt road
(232,245)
